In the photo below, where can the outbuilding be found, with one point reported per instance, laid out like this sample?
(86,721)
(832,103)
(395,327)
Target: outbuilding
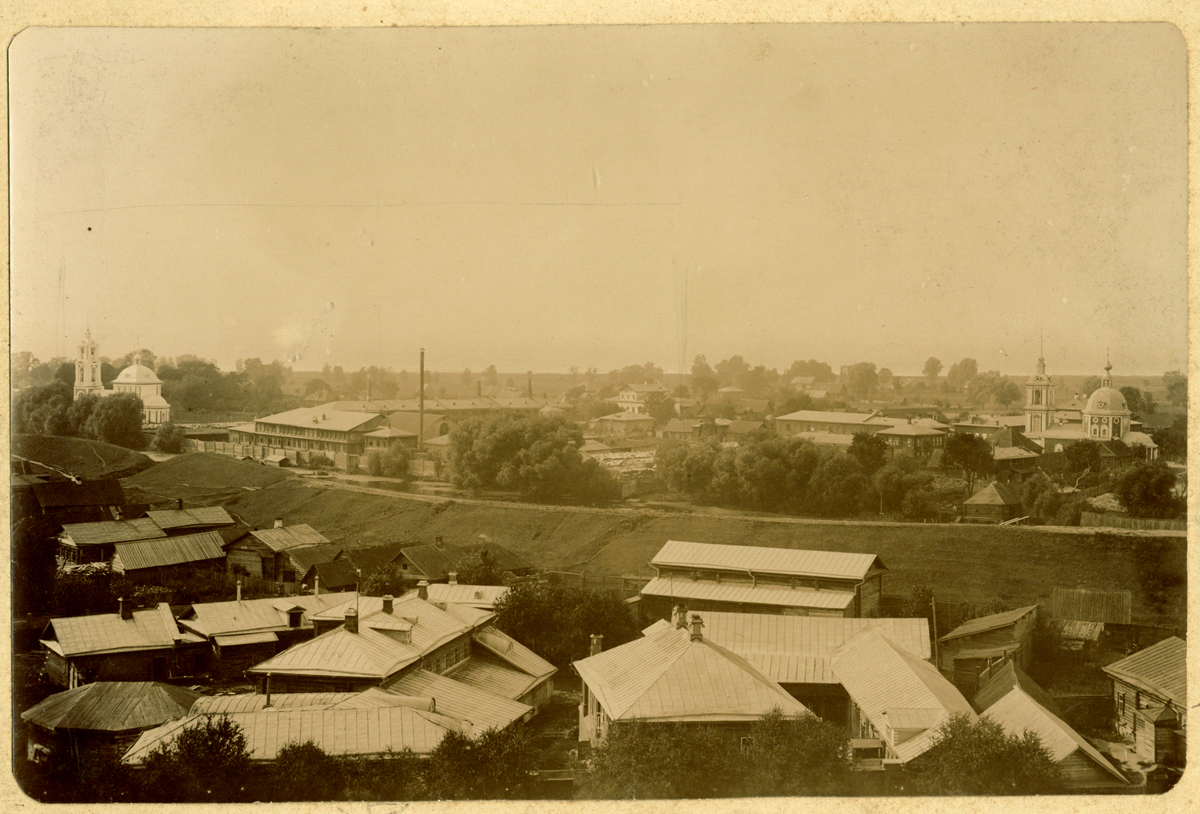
(966,651)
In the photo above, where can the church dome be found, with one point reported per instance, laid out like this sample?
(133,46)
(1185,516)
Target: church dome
(137,374)
(1106,400)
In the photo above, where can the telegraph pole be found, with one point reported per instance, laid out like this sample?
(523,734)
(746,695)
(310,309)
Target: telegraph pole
(421,399)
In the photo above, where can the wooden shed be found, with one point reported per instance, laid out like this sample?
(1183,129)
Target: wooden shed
(107,716)
(265,553)
(994,503)
(966,651)
(168,557)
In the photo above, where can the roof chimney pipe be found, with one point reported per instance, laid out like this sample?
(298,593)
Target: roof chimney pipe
(267,703)
(453,577)
(179,503)
(679,617)
(125,607)
(387,603)
(239,589)
(352,621)
(423,589)
(278,522)
(697,623)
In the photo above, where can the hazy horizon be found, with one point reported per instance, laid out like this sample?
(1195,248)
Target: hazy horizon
(537,198)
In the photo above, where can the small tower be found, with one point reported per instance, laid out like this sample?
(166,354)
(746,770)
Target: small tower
(1039,400)
(87,367)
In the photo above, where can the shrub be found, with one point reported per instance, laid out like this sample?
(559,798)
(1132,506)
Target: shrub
(168,438)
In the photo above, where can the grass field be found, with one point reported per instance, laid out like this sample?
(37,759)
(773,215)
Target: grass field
(89,460)
(961,563)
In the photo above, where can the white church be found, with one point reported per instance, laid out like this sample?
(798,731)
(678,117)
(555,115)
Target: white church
(137,379)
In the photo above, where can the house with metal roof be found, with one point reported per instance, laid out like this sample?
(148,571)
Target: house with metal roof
(93,542)
(280,554)
(1013,700)
(103,717)
(899,699)
(915,440)
(483,597)
(964,652)
(130,645)
(623,425)
(169,557)
(242,633)
(377,641)
(796,651)
(829,421)
(994,503)
(1150,701)
(826,583)
(191,521)
(310,430)
(364,732)
(675,674)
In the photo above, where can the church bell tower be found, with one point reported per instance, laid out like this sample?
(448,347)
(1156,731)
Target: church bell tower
(87,367)
(1039,400)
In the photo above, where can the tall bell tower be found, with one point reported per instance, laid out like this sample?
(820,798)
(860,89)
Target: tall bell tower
(87,367)
(1039,399)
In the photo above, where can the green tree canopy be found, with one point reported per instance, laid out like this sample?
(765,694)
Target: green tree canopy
(393,462)
(557,622)
(795,756)
(979,757)
(495,765)
(970,453)
(933,366)
(117,419)
(303,772)
(861,379)
(479,569)
(168,438)
(660,406)
(870,451)
(646,761)
(1148,490)
(208,762)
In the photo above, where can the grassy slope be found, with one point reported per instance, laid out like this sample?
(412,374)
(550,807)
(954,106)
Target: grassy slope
(89,460)
(962,563)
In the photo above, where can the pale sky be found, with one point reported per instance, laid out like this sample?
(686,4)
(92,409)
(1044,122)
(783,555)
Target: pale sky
(537,198)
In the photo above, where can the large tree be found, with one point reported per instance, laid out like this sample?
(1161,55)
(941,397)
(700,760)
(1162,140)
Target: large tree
(869,450)
(980,758)
(117,419)
(933,366)
(1140,403)
(494,765)
(208,762)
(970,453)
(795,757)
(1148,490)
(647,761)
(557,622)
(961,373)
(660,406)
(861,379)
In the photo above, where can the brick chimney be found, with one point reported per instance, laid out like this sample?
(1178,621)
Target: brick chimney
(597,643)
(278,523)
(387,603)
(352,620)
(697,623)
(679,617)
(179,504)
(125,608)
(453,577)
(423,589)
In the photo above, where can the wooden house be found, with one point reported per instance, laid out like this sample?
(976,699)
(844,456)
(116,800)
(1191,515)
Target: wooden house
(1013,700)
(95,542)
(101,718)
(675,675)
(757,579)
(270,553)
(130,645)
(994,503)
(191,521)
(796,652)
(382,641)
(243,633)
(169,557)
(964,652)
(1150,701)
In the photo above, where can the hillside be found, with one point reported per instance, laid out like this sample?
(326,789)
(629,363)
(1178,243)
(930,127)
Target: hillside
(962,563)
(88,460)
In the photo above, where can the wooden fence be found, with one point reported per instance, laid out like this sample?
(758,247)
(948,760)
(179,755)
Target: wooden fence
(1107,519)
(627,586)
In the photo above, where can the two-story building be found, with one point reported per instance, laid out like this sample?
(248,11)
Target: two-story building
(310,430)
(632,397)
(835,423)
(759,579)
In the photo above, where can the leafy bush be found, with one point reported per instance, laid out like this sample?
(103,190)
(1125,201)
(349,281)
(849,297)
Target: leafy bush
(320,461)
(209,762)
(979,757)
(394,462)
(169,438)
(304,772)
(557,622)
(495,765)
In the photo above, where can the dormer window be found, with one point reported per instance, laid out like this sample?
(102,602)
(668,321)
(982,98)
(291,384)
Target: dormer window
(295,618)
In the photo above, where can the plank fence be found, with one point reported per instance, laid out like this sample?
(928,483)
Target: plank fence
(1107,519)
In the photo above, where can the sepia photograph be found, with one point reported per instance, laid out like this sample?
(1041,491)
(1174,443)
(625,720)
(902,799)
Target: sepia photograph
(598,412)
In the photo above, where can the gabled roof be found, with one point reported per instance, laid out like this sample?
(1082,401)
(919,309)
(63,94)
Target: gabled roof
(281,539)
(322,418)
(111,531)
(1087,605)
(112,706)
(434,561)
(797,649)
(169,519)
(166,551)
(990,622)
(332,575)
(1160,669)
(250,615)
(149,629)
(667,676)
(1018,712)
(763,560)
(484,671)
(338,732)
(254,702)
(62,494)
(888,682)
(994,494)
(370,559)
(1005,677)
(483,708)
(776,595)
(512,652)
(306,556)
(378,649)
(478,596)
